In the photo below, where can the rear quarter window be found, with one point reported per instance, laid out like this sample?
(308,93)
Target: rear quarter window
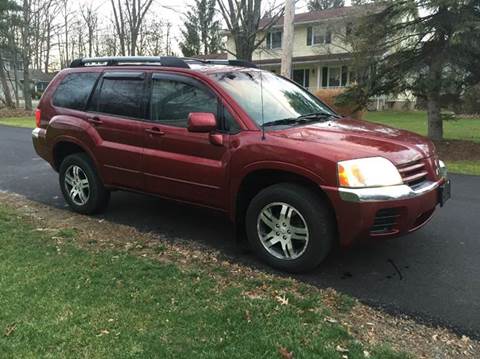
(74,90)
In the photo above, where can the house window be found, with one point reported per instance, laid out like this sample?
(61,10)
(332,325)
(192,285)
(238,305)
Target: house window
(318,36)
(302,77)
(335,76)
(274,40)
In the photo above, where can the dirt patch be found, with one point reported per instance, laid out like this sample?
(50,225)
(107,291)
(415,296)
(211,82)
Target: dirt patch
(369,326)
(457,150)
(17,112)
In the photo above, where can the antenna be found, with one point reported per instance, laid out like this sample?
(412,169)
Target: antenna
(263,114)
(261,97)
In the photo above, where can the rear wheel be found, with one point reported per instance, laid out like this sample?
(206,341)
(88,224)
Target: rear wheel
(81,186)
(290,227)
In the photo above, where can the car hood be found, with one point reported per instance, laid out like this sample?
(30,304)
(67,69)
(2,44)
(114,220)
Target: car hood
(348,139)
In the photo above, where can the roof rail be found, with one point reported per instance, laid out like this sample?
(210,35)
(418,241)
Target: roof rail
(168,61)
(239,63)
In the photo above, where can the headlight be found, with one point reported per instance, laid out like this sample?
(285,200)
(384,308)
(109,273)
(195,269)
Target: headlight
(368,172)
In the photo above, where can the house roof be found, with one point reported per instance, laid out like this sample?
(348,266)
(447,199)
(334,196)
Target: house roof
(303,59)
(35,76)
(315,16)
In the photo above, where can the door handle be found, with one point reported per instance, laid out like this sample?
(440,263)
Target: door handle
(155,131)
(95,121)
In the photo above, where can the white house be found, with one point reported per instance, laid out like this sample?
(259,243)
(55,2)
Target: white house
(321,58)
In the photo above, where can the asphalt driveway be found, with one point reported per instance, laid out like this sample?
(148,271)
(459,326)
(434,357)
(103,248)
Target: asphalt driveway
(433,274)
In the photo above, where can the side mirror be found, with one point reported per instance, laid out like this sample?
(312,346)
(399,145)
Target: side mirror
(202,122)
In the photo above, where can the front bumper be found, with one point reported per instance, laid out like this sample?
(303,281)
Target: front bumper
(390,193)
(357,210)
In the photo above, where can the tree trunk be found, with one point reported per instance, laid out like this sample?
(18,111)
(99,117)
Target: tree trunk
(435,122)
(27,87)
(6,88)
(288,34)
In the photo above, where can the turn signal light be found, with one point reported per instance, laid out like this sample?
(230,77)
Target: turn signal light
(38,115)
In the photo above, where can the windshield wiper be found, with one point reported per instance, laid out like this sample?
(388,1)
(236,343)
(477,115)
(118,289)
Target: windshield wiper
(307,118)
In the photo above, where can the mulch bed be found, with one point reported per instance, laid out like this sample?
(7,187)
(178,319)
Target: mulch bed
(17,112)
(458,150)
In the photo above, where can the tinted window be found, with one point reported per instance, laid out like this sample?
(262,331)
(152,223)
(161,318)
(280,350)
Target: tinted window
(74,91)
(172,102)
(121,96)
(230,124)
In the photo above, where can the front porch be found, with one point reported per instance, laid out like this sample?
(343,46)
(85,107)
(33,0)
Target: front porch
(319,75)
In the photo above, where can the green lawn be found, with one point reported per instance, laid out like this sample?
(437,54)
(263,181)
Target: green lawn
(27,122)
(416,121)
(58,300)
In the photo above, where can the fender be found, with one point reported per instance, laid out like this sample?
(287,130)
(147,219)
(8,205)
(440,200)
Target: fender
(267,165)
(63,128)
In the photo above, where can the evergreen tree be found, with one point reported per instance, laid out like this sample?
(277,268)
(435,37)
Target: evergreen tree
(429,48)
(315,5)
(201,32)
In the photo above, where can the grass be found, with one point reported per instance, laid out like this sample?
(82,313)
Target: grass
(464,167)
(26,122)
(416,121)
(59,300)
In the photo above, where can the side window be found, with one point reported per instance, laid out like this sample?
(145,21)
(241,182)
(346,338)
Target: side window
(172,101)
(120,96)
(74,91)
(230,124)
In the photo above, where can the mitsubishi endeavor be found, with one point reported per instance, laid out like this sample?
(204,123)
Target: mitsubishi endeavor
(289,172)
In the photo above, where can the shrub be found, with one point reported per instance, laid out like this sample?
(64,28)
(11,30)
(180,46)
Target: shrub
(471,100)
(331,97)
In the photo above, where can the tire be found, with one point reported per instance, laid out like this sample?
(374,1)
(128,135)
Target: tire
(78,171)
(309,226)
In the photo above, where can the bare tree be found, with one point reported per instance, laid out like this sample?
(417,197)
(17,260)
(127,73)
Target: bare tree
(243,20)
(26,52)
(90,18)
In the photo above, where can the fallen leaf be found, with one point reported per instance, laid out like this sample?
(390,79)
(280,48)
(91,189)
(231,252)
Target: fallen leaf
(10,329)
(341,349)
(366,354)
(282,300)
(247,316)
(284,353)
(103,332)
(330,320)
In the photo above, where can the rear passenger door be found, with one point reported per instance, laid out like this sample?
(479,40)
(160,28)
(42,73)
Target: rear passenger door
(115,111)
(180,164)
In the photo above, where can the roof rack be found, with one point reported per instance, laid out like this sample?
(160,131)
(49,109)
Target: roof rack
(239,63)
(167,61)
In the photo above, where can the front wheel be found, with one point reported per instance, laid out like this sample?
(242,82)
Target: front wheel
(81,186)
(290,227)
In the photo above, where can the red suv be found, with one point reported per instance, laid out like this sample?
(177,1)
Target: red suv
(285,168)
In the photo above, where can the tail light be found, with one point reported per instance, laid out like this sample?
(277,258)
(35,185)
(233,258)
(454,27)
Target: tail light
(38,115)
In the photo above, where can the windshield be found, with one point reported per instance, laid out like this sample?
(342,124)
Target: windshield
(282,99)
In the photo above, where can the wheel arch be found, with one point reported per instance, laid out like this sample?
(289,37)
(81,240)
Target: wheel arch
(65,146)
(260,178)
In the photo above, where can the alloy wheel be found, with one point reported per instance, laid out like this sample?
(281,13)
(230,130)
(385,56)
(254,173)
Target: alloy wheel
(77,185)
(283,231)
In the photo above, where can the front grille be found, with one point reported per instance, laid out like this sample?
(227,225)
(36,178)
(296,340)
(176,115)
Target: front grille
(413,173)
(385,221)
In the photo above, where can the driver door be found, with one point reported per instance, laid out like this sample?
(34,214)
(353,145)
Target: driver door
(180,164)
